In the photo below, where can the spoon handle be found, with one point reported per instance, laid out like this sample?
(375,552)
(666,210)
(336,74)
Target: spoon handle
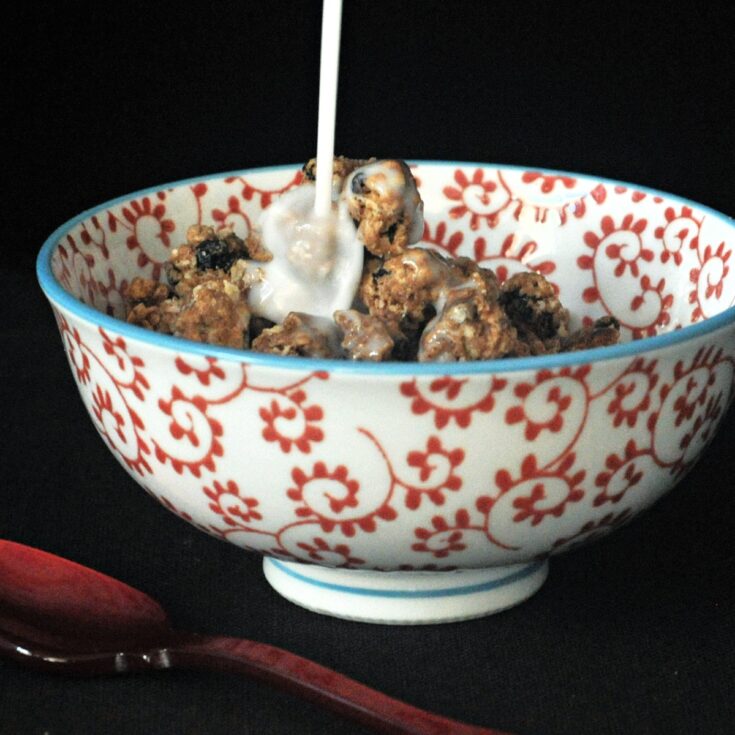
(259,661)
(318,684)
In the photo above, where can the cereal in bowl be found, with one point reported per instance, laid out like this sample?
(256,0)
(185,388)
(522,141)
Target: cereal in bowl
(360,287)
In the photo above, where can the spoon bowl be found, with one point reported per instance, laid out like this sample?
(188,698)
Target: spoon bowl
(55,602)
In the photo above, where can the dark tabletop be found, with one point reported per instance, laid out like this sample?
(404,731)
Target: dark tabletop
(634,634)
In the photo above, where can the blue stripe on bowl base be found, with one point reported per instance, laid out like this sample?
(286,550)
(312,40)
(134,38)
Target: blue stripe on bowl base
(470,589)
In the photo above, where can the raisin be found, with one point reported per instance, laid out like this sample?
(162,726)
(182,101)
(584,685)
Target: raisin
(544,325)
(214,254)
(518,305)
(523,311)
(358,183)
(607,322)
(258,325)
(390,233)
(309,169)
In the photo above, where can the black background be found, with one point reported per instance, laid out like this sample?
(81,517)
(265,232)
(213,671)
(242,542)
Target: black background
(633,634)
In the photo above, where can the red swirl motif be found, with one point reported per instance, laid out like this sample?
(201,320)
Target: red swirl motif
(479,197)
(692,404)
(212,370)
(337,555)
(293,425)
(447,410)
(228,502)
(326,495)
(619,257)
(623,473)
(632,392)
(195,433)
(77,356)
(444,538)
(594,529)
(515,255)
(709,279)
(546,401)
(265,196)
(436,473)
(548,481)
(537,493)
(548,181)
(106,383)
(146,221)
(681,232)
(234,218)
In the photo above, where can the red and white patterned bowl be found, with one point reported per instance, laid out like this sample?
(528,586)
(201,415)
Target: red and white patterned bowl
(408,492)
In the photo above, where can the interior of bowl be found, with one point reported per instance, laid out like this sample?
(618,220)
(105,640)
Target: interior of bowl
(654,261)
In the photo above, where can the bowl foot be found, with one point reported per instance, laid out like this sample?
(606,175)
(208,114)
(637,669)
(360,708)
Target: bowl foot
(404,598)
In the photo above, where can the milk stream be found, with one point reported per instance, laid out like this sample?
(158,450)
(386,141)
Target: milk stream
(328,77)
(317,252)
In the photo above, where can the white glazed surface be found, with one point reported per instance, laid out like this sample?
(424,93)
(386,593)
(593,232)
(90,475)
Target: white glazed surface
(408,468)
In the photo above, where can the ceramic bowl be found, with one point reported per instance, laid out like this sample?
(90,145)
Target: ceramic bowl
(406,492)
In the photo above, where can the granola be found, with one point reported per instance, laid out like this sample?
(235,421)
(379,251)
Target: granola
(411,303)
(383,200)
(301,335)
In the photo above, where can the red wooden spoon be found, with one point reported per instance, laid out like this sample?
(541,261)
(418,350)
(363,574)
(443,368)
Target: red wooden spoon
(56,615)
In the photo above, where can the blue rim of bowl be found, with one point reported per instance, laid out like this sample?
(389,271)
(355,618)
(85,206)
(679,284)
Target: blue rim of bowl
(56,293)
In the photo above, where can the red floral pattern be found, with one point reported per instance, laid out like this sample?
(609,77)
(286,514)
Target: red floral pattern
(265,196)
(231,505)
(633,392)
(679,231)
(620,255)
(709,279)
(537,493)
(623,469)
(204,376)
(554,399)
(429,464)
(477,196)
(232,216)
(548,181)
(75,352)
(508,460)
(443,538)
(451,244)
(447,410)
(293,425)
(111,386)
(691,406)
(594,529)
(191,426)
(515,255)
(145,219)
(327,495)
(338,555)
